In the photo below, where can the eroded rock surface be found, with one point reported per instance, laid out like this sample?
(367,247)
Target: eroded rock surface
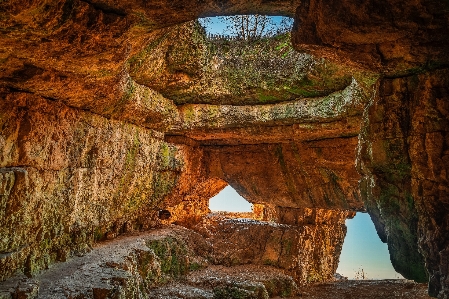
(405,158)
(69,178)
(90,150)
(175,262)
(291,247)
(386,35)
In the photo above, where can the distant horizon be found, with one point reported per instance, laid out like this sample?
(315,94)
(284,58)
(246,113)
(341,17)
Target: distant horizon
(362,248)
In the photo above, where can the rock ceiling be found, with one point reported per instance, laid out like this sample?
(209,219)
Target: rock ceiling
(106,119)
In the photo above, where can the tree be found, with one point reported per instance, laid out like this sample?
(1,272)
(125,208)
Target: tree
(250,27)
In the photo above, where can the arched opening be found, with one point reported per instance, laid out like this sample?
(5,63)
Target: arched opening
(364,256)
(228,200)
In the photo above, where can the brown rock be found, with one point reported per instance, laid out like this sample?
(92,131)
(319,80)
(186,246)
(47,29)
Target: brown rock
(297,174)
(82,143)
(70,177)
(293,248)
(404,164)
(382,35)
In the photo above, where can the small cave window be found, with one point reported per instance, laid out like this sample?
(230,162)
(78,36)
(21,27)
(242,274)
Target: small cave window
(228,200)
(246,27)
(364,256)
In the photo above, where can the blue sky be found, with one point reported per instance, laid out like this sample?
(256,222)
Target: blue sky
(362,248)
(217,25)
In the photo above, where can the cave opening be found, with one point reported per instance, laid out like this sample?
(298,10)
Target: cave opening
(246,26)
(127,102)
(364,255)
(228,200)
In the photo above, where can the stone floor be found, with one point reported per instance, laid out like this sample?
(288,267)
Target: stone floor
(364,289)
(169,263)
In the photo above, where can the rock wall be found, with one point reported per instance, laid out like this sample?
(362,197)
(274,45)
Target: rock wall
(187,67)
(70,178)
(127,267)
(406,124)
(292,246)
(82,140)
(405,160)
(382,35)
(308,174)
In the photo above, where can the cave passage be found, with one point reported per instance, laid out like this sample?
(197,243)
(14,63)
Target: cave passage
(228,200)
(364,256)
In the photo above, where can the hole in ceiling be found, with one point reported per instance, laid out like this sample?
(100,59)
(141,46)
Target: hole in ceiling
(246,26)
(364,256)
(228,200)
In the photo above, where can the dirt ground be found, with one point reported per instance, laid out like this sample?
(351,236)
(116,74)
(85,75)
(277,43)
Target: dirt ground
(365,289)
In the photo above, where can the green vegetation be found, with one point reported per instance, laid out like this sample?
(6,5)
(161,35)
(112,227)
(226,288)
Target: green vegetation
(195,267)
(269,262)
(98,234)
(279,287)
(288,246)
(129,166)
(236,71)
(171,253)
(237,291)
(313,276)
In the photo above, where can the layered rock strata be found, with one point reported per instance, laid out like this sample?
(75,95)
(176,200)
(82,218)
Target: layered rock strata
(128,267)
(174,262)
(405,158)
(291,247)
(383,35)
(69,178)
(74,118)
(406,124)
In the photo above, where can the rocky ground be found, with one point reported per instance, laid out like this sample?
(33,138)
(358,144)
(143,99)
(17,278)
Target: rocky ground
(364,289)
(178,263)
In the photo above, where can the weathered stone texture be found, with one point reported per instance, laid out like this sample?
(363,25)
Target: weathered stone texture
(346,103)
(128,267)
(78,51)
(89,160)
(292,248)
(187,67)
(385,35)
(318,174)
(142,265)
(70,177)
(405,160)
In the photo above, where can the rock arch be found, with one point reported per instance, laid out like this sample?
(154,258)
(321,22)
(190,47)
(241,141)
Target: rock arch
(88,151)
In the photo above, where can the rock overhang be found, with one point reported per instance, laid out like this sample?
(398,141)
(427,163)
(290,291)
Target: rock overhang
(90,74)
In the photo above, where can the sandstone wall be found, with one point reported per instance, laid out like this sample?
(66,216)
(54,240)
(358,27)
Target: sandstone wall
(405,160)
(389,36)
(292,246)
(308,174)
(67,171)
(69,178)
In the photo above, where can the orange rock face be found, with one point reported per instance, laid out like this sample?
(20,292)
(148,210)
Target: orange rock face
(383,34)
(296,174)
(405,161)
(91,146)
(291,246)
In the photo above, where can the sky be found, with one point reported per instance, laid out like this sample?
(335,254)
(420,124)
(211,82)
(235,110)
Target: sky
(217,25)
(229,200)
(362,248)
